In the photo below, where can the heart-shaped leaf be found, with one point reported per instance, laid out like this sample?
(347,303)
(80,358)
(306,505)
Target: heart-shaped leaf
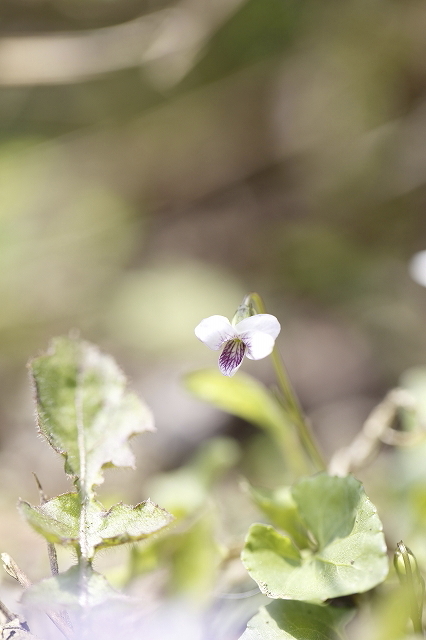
(350,554)
(279,506)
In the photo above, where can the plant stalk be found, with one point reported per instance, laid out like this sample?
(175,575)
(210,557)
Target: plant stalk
(289,399)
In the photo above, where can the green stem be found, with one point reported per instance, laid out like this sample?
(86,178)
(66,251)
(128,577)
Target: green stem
(84,561)
(289,398)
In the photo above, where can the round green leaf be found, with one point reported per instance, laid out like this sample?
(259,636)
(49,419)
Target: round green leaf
(350,552)
(279,506)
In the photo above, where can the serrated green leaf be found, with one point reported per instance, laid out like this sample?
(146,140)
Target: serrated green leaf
(85,410)
(351,552)
(245,397)
(123,523)
(185,490)
(292,620)
(278,505)
(58,520)
(65,590)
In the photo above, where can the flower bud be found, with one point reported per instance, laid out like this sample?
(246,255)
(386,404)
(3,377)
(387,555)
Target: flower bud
(406,567)
(245,310)
(405,563)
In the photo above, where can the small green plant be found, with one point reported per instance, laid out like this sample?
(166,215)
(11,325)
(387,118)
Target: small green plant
(317,559)
(325,544)
(87,414)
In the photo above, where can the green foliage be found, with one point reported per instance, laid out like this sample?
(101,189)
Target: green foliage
(186,490)
(328,542)
(245,397)
(87,414)
(58,520)
(279,506)
(292,620)
(348,550)
(190,550)
(195,558)
(85,410)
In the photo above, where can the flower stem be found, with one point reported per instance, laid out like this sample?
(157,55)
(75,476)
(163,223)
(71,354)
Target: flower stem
(289,399)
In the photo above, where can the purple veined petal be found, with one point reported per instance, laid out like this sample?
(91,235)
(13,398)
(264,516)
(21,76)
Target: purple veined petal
(259,344)
(264,322)
(214,331)
(231,357)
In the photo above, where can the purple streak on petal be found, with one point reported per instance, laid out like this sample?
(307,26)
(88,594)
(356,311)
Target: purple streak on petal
(231,357)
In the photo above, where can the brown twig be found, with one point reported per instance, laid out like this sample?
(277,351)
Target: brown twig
(8,615)
(51,551)
(16,572)
(377,429)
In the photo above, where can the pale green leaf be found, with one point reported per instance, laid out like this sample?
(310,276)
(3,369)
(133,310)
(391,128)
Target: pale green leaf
(245,397)
(58,520)
(242,396)
(329,506)
(123,523)
(195,559)
(292,620)
(64,590)
(184,491)
(350,556)
(85,409)
(279,506)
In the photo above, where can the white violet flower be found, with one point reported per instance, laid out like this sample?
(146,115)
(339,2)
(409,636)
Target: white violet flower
(254,337)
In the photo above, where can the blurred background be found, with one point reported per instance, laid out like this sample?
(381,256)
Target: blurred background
(158,160)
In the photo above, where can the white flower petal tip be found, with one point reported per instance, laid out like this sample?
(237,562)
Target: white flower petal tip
(254,336)
(214,331)
(264,322)
(259,345)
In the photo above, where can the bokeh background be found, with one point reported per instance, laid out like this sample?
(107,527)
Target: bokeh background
(158,160)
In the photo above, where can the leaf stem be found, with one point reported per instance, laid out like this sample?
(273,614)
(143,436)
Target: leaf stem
(83,553)
(289,399)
